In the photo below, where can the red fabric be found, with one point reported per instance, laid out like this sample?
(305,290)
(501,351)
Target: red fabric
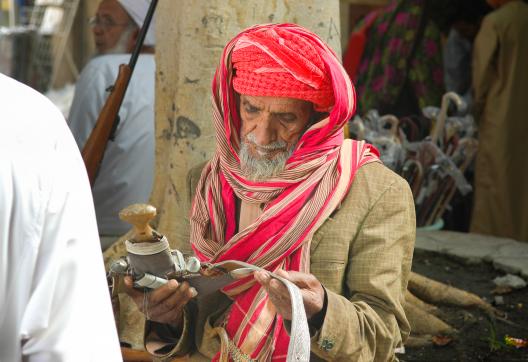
(356,46)
(277,63)
(315,180)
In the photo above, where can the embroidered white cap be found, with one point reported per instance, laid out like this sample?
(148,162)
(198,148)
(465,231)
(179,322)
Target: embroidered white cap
(137,9)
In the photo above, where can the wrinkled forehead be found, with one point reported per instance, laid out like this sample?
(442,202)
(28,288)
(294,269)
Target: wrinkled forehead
(276,104)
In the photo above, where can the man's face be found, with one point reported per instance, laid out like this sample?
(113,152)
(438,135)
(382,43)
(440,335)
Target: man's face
(111,28)
(270,129)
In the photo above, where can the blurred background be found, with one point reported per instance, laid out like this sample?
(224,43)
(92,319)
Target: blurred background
(410,60)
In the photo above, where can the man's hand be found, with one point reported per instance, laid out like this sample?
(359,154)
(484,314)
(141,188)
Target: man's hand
(164,304)
(311,289)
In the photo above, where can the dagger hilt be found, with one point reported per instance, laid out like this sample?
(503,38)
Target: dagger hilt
(139,216)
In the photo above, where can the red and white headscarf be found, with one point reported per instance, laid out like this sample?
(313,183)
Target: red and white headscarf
(281,60)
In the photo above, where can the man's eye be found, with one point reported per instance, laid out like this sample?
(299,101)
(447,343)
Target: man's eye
(107,21)
(287,118)
(251,109)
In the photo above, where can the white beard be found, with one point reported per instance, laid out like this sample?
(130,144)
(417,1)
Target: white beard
(121,46)
(259,169)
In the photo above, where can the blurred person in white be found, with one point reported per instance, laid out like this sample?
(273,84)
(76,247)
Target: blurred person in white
(126,172)
(55,304)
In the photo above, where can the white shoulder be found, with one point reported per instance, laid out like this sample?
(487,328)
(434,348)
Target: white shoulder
(27,113)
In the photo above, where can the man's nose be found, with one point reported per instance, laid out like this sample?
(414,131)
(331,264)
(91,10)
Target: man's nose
(264,132)
(97,29)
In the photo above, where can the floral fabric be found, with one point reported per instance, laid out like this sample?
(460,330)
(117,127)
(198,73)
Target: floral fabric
(388,64)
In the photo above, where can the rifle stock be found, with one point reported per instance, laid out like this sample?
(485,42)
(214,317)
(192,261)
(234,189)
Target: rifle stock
(94,149)
(134,355)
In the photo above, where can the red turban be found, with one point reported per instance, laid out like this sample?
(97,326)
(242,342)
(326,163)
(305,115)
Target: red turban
(279,63)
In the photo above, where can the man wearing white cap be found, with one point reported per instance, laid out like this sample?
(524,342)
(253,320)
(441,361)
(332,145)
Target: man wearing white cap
(126,173)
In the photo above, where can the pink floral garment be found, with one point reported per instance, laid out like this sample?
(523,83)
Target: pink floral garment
(388,61)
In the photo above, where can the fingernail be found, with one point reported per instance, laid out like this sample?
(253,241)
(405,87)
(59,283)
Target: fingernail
(194,292)
(263,274)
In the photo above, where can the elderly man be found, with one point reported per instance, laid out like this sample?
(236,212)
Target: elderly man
(286,192)
(51,269)
(126,172)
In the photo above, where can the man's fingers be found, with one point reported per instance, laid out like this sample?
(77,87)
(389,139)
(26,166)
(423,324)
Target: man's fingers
(165,291)
(271,285)
(163,302)
(156,296)
(262,276)
(283,273)
(277,292)
(179,297)
(311,289)
(277,288)
(280,297)
(173,317)
(129,287)
(302,280)
(136,295)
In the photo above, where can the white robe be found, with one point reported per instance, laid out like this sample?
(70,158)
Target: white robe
(127,170)
(54,300)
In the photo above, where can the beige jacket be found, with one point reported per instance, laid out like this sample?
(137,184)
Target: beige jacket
(362,255)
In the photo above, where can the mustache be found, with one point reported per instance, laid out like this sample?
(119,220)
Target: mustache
(273,146)
(259,169)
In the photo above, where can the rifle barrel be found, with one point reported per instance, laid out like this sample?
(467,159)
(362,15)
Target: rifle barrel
(142,34)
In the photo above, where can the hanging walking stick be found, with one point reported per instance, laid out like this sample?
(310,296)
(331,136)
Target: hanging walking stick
(463,156)
(437,135)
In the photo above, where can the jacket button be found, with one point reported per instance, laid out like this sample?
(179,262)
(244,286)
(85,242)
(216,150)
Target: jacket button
(327,344)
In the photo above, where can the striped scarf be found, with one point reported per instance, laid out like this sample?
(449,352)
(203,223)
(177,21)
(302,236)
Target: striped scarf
(316,178)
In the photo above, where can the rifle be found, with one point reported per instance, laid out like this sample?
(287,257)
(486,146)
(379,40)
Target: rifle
(108,120)
(134,355)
